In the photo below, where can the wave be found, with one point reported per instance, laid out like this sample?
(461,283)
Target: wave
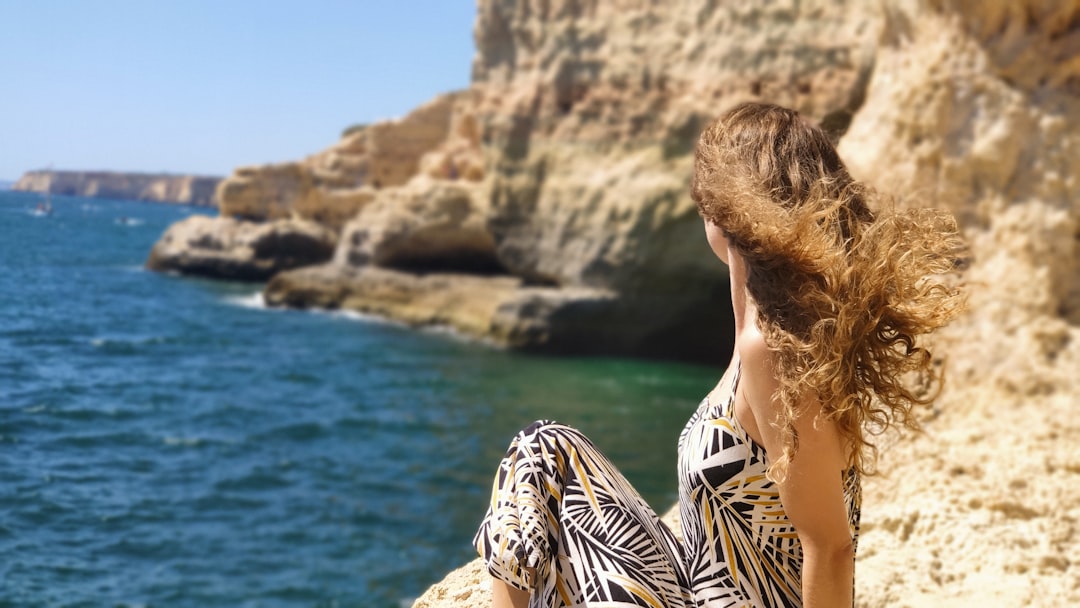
(256,301)
(251,300)
(116,343)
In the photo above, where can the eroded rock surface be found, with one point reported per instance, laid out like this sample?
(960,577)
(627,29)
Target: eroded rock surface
(975,106)
(331,186)
(225,248)
(425,226)
(566,164)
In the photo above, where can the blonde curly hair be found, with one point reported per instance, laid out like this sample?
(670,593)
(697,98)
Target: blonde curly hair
(842,292)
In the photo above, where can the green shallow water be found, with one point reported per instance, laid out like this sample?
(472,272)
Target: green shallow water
(167,441)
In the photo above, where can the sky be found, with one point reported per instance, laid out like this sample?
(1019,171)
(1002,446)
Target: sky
(202,87)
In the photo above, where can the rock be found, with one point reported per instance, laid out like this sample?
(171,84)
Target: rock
(506,311)
(469,585)
(474,305)
(331,186)
(460,156)
(975,106)
(580,127)
(238,250)
(153,187)
(266,192)
(464,302)
(592,115)
(424,226)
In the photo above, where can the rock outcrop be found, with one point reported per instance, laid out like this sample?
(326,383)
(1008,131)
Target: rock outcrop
(231,249)
(975,106)
(332,186)
(158,188)
(564,166)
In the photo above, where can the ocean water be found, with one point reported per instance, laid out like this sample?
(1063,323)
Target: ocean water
(168,441)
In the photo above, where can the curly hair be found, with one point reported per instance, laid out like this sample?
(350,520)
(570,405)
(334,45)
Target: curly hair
(842,293)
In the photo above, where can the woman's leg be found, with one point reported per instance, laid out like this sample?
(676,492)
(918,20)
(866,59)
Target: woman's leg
(565,524)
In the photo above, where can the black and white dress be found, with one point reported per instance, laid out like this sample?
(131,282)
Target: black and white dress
(559,506)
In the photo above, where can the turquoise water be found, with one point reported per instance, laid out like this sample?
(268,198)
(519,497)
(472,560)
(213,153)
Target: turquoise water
(167,441)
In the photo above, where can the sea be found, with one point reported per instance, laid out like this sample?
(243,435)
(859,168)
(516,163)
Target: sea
(171,441)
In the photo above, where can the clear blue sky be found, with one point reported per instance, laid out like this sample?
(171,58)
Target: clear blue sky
(201,86)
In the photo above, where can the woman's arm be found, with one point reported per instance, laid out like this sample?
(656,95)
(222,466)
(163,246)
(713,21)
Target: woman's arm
(505,596)
(812,492)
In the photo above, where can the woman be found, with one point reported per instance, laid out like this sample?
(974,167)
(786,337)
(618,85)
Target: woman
(829,298)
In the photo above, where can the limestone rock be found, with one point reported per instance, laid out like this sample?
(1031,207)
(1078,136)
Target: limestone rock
(460,156)
(331,186)
(501,309)
(266,192)
(469,585)
(245,251)
(592,111)
(975,106)
(424,226)
(566,163)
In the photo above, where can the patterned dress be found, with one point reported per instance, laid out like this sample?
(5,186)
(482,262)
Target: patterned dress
(561,508)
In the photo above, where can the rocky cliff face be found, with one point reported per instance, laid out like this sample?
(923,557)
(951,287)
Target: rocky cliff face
(159,188)
(570,154)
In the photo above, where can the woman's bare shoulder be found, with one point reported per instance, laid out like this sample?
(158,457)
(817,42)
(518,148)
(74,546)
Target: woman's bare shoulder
(754,353)
(758,369)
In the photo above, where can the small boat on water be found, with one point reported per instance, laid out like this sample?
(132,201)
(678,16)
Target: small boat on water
(43,209)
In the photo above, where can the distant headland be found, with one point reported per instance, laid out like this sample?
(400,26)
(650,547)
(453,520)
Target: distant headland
(155,187)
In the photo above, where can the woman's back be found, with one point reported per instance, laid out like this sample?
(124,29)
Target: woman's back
(741,548)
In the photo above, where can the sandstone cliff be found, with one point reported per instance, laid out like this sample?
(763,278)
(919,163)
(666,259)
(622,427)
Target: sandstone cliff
(158,188)
(564,166)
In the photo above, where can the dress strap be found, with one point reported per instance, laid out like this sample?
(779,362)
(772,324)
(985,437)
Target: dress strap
(734,386)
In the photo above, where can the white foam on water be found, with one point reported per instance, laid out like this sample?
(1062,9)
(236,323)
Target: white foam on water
(442,330)
(252,300)
(128,341)
(256,301)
